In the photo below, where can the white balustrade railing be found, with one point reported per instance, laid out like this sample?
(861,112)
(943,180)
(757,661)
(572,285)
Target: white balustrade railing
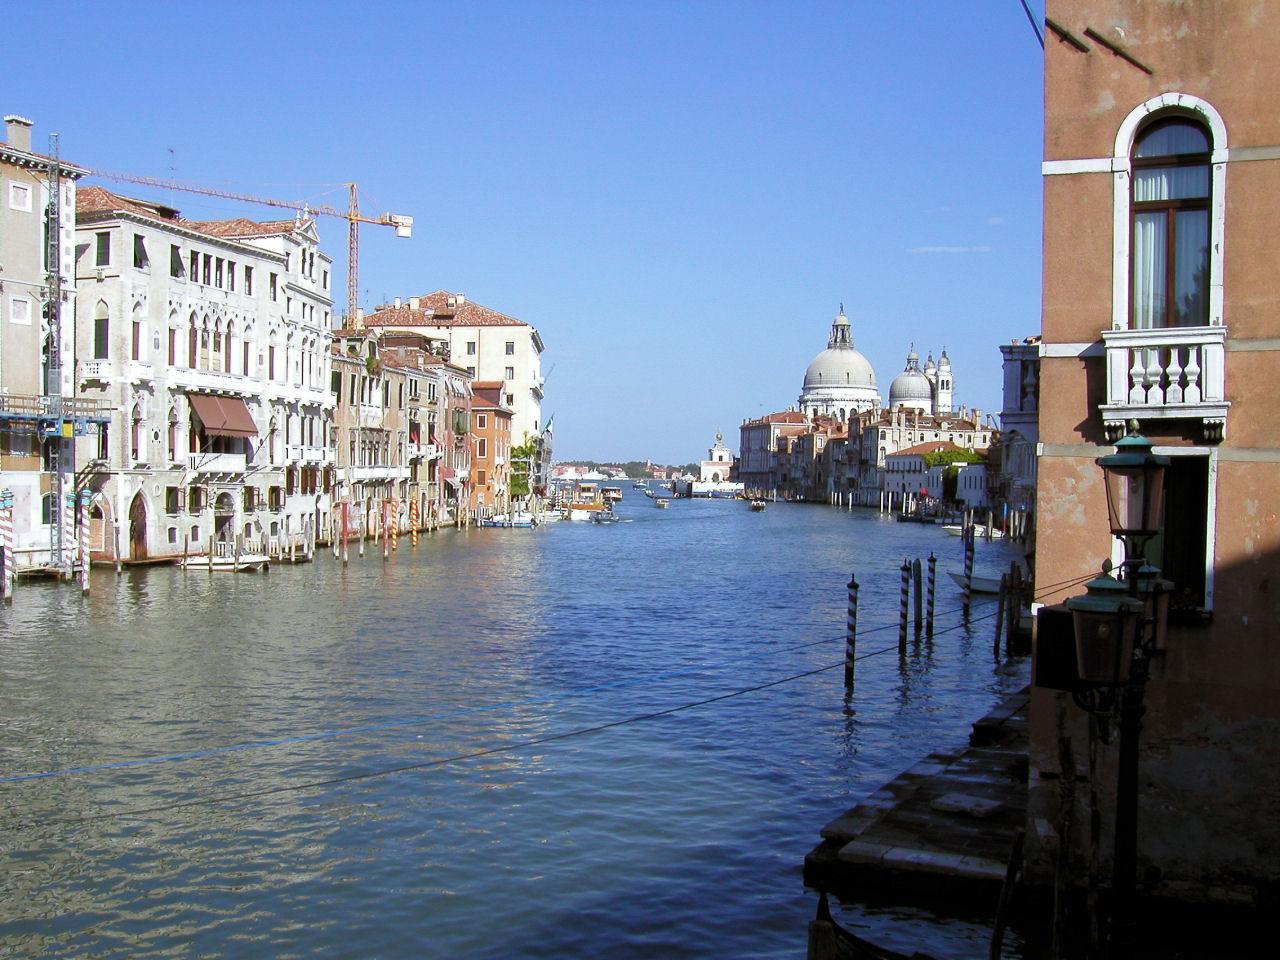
(216,462)
(1165,373)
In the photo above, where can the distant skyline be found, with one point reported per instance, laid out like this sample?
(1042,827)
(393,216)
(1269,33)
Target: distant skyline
(679,196)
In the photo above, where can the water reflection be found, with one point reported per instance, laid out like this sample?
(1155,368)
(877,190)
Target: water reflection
(652,838)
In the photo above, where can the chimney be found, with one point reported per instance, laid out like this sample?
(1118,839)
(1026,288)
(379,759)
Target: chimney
(358,320)
(397,302)
(413,303)
(18,132)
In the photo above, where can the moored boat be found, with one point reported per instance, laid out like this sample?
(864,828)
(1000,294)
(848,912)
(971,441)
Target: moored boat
(611,494)
(976,584)
(980,532)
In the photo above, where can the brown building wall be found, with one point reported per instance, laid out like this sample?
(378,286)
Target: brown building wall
(1211,737)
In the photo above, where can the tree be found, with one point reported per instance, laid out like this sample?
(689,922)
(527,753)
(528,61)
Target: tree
(522,458)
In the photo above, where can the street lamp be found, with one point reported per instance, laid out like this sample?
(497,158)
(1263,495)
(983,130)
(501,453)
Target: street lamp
(1117,629)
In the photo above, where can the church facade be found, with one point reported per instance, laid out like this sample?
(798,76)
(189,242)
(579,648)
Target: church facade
(840,402)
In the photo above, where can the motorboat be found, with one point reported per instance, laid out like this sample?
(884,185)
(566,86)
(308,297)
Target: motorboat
(587,500)
(980,532)
(976,584)
(514,520)
(662,503)
(603,516)
(227,563)
(639,485)
(757,506)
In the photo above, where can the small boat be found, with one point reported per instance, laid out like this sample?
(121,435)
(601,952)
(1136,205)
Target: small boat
(603,516)
(586,502)
(979,532)
(665,486)
(758,506)
(515,520)
(662,503)
(977,584)
(639,485)
(915,518)
(650,494)
(245,563)
(611,494)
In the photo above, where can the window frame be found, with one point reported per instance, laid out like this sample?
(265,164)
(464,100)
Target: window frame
(1171,210)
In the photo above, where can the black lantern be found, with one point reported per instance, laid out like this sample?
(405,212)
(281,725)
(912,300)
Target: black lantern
(1135,492)
(1106,622)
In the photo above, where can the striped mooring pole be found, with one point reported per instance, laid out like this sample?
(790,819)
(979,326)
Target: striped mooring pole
(413,522)
(386,543)
(6,545)
(851,632)
(928,613)
(85,497)
(903,597)
(395,525)
(968,569)
(342,532)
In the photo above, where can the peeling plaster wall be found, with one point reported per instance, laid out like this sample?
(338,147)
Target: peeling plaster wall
(1209,776)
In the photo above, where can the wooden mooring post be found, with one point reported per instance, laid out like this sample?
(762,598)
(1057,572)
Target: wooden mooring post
(903,597)
(933,574)
(1001,600)
(968,570)
(851,632)
(7,560)
(917,579)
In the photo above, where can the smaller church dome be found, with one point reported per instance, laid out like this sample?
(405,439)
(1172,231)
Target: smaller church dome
(911,387)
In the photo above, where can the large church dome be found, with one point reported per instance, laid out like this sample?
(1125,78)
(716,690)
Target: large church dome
(839,382)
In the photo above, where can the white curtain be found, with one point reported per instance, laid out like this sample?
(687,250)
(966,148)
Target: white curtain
(1149,258)
(1170,183)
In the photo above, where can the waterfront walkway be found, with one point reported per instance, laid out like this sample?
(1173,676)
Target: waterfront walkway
(946,824)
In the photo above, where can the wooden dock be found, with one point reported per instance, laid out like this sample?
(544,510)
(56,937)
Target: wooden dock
(944,825)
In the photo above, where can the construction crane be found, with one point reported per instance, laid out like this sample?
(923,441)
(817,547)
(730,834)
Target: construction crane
(403,225)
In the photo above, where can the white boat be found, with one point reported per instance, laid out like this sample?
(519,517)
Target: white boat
(758,506)
(662,503)
(245,563)
(514,520)
(586,501)
(611,494)
(976,584)
(639,485)
(603,516)
(979,532)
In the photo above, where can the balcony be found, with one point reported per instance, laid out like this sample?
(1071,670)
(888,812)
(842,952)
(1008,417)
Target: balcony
(216,462)
(141,371)
(423,451)
(1168,373)
(214,381)
(95,370)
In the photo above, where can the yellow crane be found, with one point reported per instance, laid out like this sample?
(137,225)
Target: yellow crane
(403,225)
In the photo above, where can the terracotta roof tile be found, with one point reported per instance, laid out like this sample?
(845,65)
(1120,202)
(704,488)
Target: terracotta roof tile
(95,199)
(932,446)
(434,311)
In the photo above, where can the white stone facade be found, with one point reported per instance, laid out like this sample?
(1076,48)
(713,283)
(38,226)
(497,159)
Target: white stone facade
(172,310)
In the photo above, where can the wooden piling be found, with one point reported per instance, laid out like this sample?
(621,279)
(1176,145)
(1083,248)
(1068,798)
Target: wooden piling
(916,576)
(933,573)
(902,604)
(343,532)
(8,562)
(211,553)
(84,543)
(1001,601)
(968,569)
(851,632)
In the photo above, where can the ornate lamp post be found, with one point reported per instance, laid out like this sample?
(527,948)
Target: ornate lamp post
(1116,632)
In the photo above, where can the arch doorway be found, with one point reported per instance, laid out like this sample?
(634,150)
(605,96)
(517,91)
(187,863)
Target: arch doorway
(224,518)
(138,527)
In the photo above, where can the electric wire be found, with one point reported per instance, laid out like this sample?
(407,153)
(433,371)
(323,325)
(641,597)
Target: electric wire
(400,722)
(508,748)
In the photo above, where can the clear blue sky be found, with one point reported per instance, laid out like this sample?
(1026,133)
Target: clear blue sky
(677,195)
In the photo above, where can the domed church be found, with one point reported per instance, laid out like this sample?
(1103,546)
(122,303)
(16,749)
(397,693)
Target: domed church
(928,391)
(839,382)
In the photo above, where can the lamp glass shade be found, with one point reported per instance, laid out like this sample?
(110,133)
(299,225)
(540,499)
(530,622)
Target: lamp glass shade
(1134,479)
(1104,645)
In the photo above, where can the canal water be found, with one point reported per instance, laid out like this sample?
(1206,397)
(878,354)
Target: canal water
(577,741)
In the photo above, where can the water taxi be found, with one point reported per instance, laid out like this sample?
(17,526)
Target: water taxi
(611,494)
(587,500)
(757,506)
(662,503)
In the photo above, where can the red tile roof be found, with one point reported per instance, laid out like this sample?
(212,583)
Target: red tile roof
(933,446)
(94,199)
(788,416)
(434,311)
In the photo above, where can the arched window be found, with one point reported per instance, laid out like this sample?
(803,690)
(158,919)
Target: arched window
(193,343)
(46,509)
(101,331)
(136,437)
(173,435)
(1169,213)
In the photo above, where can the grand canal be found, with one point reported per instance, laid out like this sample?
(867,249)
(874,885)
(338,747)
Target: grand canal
(225,749)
